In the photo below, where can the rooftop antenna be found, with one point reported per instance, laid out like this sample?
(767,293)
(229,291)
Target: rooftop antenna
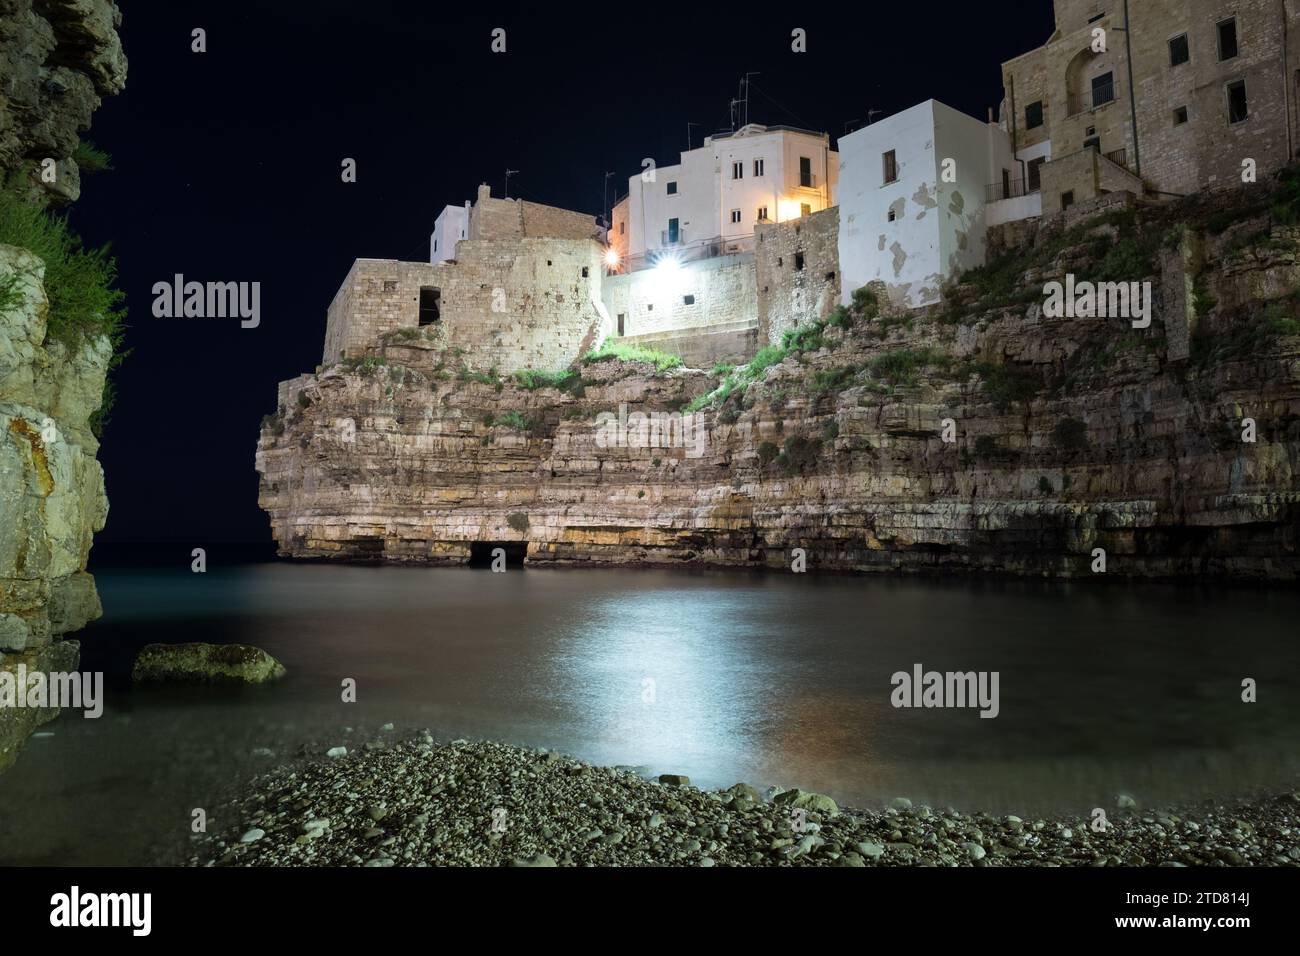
(605,210)
(871,113)
(509,173)
(734,104)
(688,134)
(744,82)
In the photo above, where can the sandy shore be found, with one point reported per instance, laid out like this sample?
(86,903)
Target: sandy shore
(417,803)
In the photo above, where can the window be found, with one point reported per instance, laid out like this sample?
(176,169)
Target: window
(737,170)
(762,214)
(1180,116)
(622,227)
(758,167)
(1228,39)
(688,300)
(798,262)
(1178,51)
(890,160)
(805,172)
(1036,173)
(1034,115)
(805,209)
(735,215)
(621,317)
(1103,89)
(584,273)
(674,231)
(1067,200)
(430,300)
(1238,110)
(1006,184)
(672,188)
(435,245)
(893,214)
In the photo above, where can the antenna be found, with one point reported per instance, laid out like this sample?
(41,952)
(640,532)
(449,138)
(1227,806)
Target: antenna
(688,134)
(605,210)
(509,173)
(745,83)
(871,113)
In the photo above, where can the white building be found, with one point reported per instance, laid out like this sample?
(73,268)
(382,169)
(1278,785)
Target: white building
(709,203)
(450,227)
(916,193)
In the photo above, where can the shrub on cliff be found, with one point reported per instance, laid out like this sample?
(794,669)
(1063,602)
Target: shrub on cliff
(1070,434)
(622,352)
(79,282)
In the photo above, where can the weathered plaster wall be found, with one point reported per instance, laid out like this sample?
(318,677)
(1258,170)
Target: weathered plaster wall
(721,291)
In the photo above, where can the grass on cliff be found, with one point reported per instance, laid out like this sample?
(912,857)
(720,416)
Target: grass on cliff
(79,282)
(623,352)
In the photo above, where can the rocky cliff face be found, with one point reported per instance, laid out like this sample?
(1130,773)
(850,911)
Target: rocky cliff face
(57,57)
(1064,435)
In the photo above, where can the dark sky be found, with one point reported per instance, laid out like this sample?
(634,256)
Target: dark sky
(227,163)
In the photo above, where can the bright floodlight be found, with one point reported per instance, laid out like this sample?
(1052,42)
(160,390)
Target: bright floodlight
(611,257)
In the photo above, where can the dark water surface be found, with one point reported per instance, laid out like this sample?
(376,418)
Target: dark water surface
(771,679)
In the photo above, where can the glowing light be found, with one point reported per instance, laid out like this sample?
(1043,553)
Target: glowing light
(787,209)
(611,257)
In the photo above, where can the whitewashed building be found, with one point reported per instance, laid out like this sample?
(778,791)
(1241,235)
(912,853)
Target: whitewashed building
(451,226)
(710,201)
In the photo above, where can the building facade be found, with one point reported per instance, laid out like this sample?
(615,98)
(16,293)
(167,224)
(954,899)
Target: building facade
(912,191)
(1213,85)
(710,202)
(451,226)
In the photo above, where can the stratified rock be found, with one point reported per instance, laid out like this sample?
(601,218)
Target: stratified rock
(206,663)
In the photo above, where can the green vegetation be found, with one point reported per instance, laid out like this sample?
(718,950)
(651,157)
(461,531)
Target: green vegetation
(1282,203)
(518,522)
(1045,485)
(1202,303)
(79,283)
(365,365)
(517,421)
(1005,385)
(565,380)
(901,366)
(491,377)
(613,350)
(800,455)
(1070,434)
(90,158)
(986,446)
(830,430)
(1252,336)
(767,453)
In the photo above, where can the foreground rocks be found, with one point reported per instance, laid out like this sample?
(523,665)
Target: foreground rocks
(206,663)
(415,803)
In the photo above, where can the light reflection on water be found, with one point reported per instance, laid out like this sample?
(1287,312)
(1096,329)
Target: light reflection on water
(773,679)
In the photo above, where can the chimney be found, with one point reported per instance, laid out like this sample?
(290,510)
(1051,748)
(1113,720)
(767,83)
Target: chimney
(484,192)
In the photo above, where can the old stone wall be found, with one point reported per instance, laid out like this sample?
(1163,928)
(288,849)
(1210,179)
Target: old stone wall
(705,292)
(512,304)
(798,268)
(491,218)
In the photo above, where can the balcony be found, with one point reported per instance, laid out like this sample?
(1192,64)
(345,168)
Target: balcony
(1013,189)
(1101,95)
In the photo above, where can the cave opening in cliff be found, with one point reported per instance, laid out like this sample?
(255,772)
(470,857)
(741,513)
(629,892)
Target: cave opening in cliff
(481,553)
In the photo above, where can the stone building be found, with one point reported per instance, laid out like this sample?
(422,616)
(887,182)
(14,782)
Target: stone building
(1194,89)
(798,272)
(522,291)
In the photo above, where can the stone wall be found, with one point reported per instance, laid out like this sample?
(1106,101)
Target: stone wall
(513,304)
(517,218)
(1175,157)
(789,295)
(705,292)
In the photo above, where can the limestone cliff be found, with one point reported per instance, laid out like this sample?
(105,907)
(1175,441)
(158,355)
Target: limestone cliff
(1068,435)
(57,58)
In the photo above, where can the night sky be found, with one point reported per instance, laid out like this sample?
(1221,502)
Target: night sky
(227,168)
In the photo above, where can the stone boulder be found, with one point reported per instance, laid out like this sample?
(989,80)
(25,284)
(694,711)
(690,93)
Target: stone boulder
(206,664)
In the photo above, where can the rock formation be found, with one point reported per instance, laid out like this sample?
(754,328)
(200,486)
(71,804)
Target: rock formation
(57,58)
(1067,435)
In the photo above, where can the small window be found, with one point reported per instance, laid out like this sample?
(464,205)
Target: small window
(805,209)
(1228,39)
(798,262)
(893,214)
(735,215)
(805,172)
(830,277)
(737,170)
(1238,109)
(1067,200)
(1035,172)
(1180,116)
(688,300)
(430,305)
(758,167)
(1096,16)
(1103,89)
(390,285)
(890,161)
(622,228)
(622,316)
(672,188)
(762,214)
(1006,184)
(435,245)
(650,307)
(584,272)
(1034,115)
(1179,53)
